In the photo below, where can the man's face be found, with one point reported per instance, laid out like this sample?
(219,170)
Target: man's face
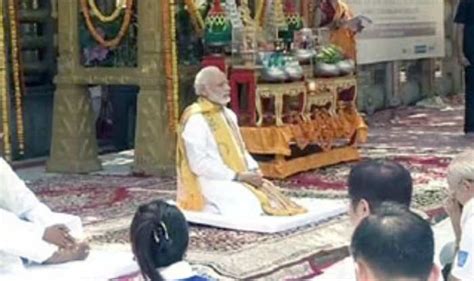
(463,191)
(218,90)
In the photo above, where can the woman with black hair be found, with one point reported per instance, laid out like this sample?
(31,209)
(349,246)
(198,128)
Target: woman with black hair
(159,236)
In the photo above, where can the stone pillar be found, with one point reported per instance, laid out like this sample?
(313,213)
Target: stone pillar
(428,77)
(73,144)
(154,143)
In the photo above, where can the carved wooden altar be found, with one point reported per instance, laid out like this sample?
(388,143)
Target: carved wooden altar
(327,132)
(74,147)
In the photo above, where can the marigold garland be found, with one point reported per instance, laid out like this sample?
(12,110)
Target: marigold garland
(4,90)
(104,18)
(17,72)
(112,43)
(171,63)
(174,50)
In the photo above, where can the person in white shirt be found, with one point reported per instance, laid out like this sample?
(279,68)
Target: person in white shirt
(460,207)
(216,174)
(394,244)
(30,231)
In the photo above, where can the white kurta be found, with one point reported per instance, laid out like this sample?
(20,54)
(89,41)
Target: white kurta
(463,266)
(222,194)
(23,219)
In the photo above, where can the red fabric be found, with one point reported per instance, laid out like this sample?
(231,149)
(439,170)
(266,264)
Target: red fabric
(243,77)
(217,61)
(328,11)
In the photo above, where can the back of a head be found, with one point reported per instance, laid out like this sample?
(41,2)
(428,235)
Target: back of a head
(395,243)
(159,237)
(380,181)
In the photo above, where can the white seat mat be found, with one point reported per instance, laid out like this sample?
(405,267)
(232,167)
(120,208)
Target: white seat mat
(318,210)
(99,266)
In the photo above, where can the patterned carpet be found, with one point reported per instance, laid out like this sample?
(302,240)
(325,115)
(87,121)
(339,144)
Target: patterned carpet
(428,173)
(106,204)
(423,140)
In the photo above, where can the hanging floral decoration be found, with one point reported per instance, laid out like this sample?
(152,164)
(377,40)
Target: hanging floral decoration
(104,18)
(171,63)
(4,91)
(18,83)
(114,42)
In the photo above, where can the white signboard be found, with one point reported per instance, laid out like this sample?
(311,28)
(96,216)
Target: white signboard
(401,29)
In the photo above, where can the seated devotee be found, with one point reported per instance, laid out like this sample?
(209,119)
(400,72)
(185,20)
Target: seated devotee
(370,184)
(30,231)
(336,15)
(159,237)
(394,244)
(216,173)
(460,207)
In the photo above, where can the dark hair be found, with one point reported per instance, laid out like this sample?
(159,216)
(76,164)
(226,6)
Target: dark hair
(395,243)
(159,237)
(380,181)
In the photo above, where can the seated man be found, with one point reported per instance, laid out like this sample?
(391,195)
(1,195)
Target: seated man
(370,184)
(460,207)
(29,230)
(215,172)
(394,244)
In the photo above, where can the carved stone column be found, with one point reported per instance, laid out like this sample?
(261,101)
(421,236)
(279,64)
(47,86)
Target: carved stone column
(154,143)
(73,144)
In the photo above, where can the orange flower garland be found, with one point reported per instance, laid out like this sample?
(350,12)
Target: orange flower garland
(174,55)
(112,43)
(4,91)
(171,63)
(17,72)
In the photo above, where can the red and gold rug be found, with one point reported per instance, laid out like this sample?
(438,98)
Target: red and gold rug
(107,203)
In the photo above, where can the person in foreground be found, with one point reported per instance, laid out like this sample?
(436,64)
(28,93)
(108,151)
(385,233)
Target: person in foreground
(216,173)
(30,231)
(159,237)
(370,184)
(460,207)
(394,244)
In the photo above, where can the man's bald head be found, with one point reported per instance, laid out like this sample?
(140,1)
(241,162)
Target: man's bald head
(211,83)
